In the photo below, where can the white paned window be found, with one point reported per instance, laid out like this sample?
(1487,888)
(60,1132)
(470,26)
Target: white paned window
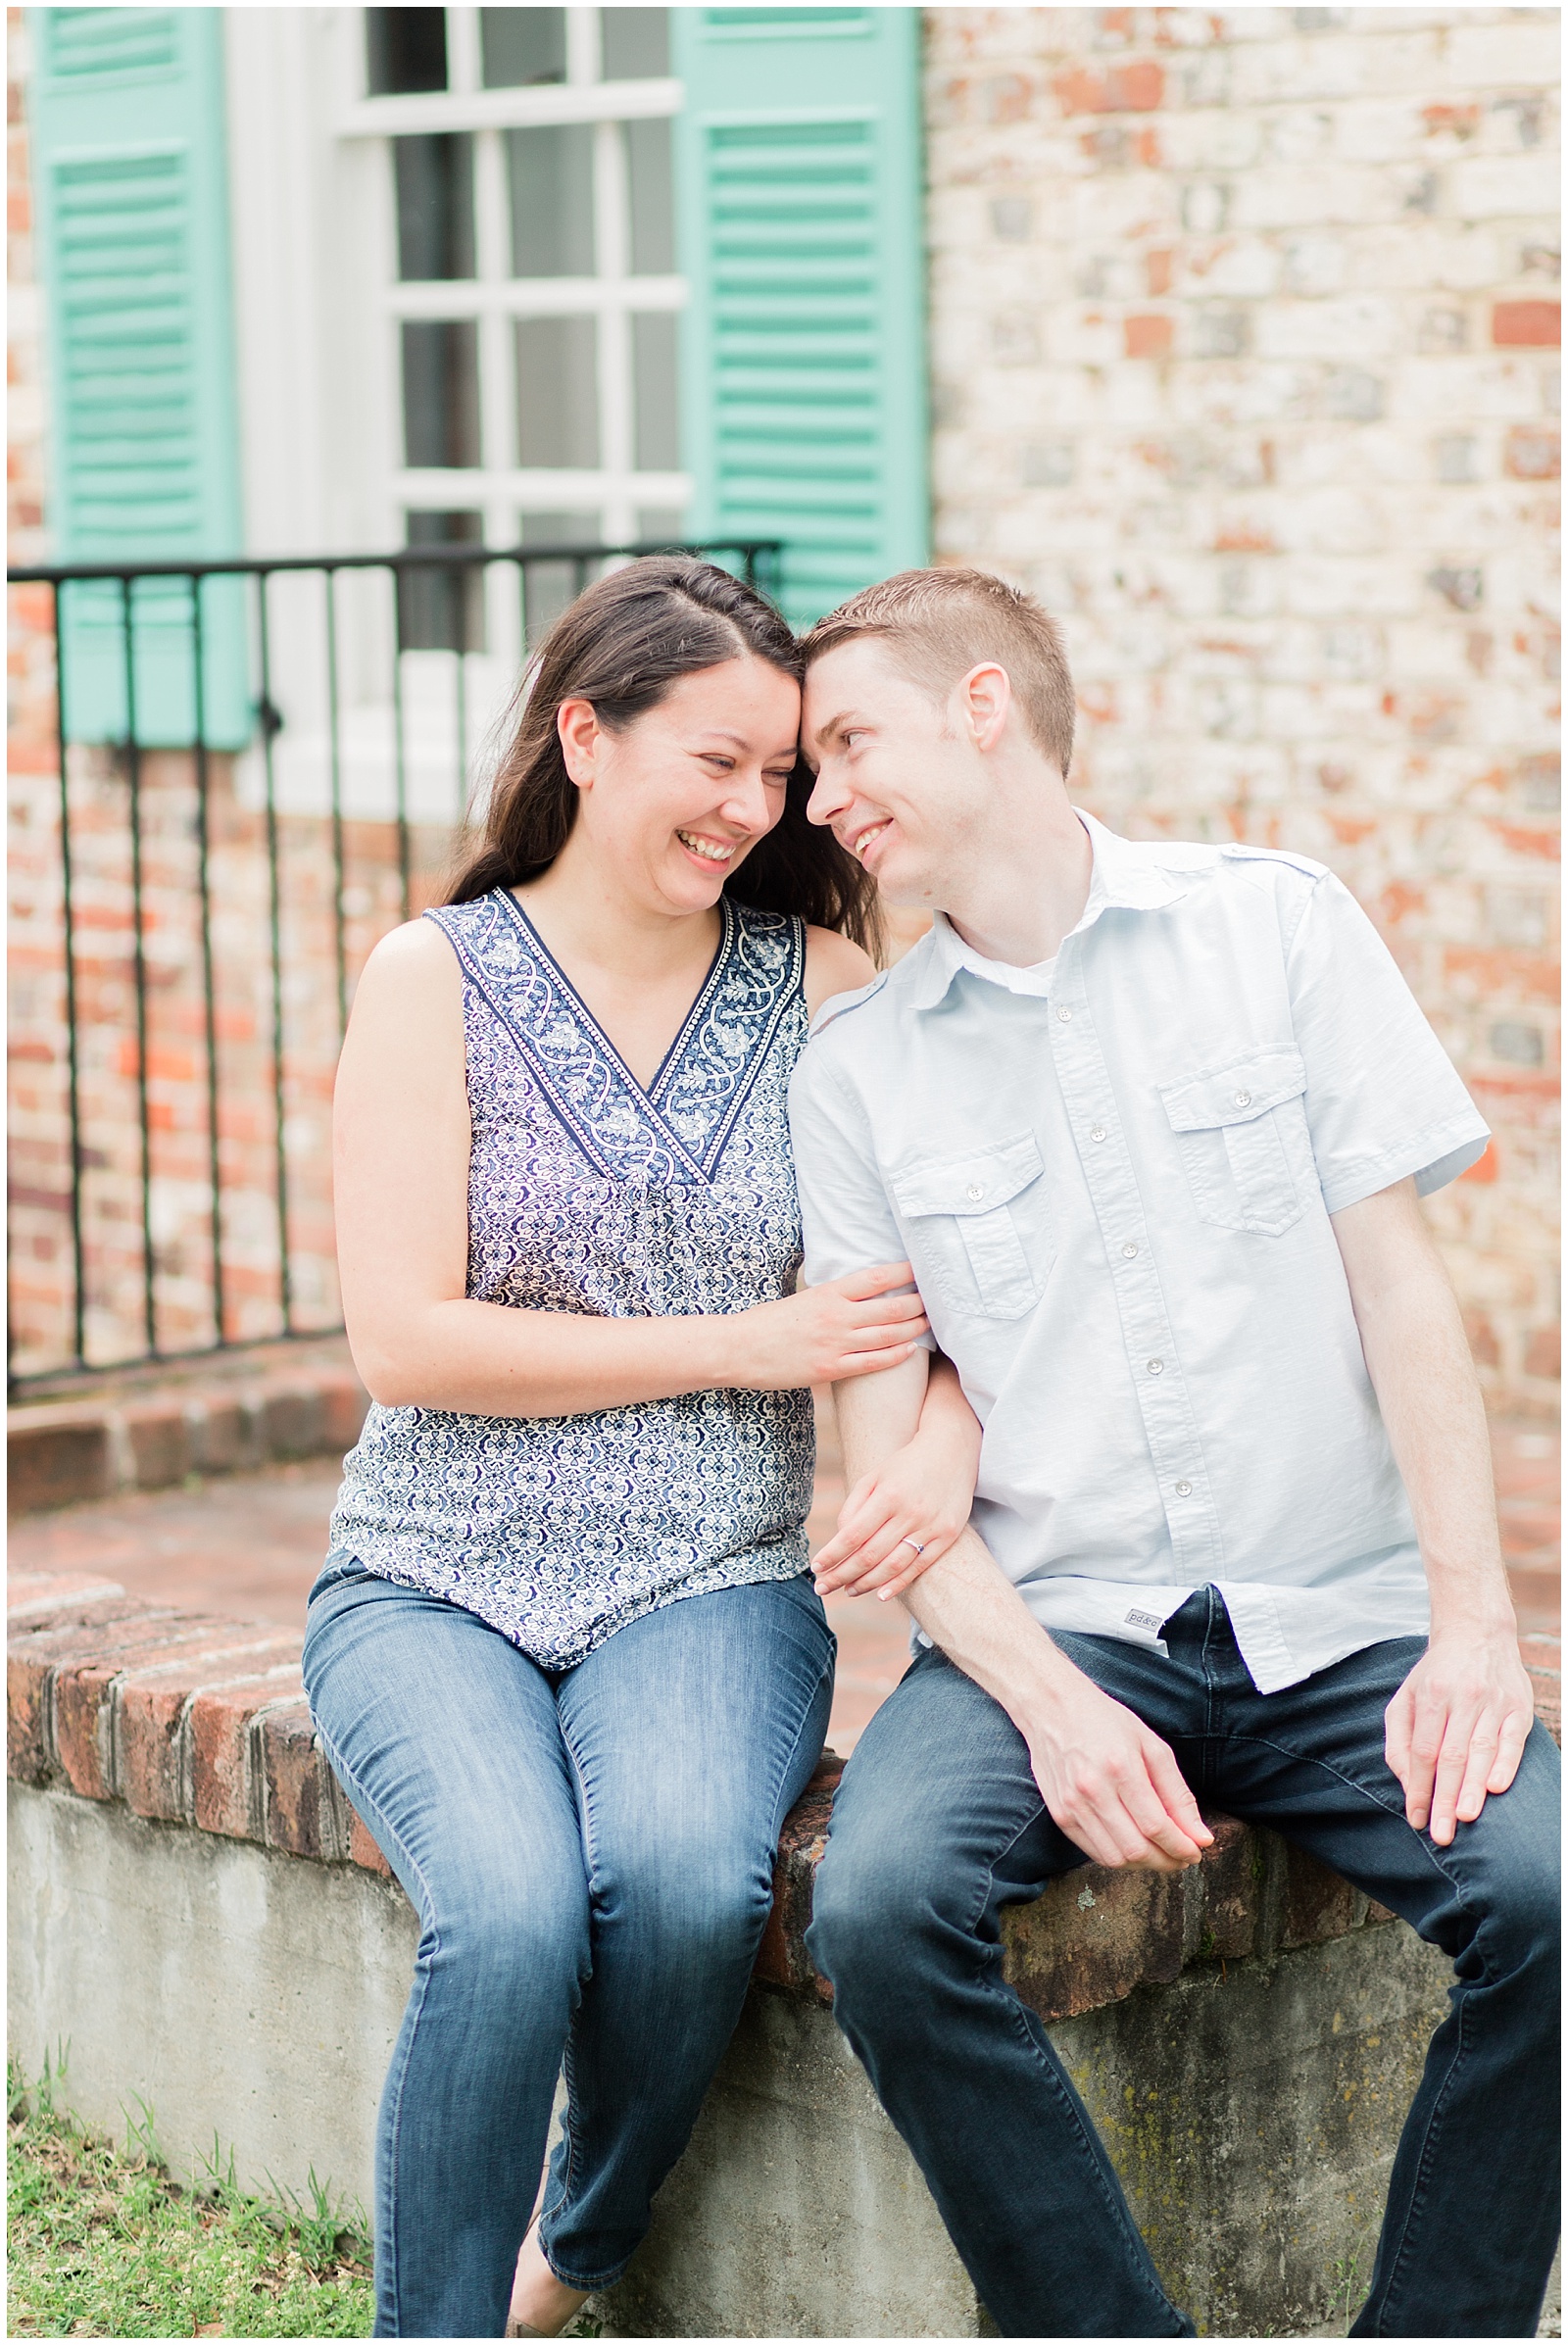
(457,307)
(533,312)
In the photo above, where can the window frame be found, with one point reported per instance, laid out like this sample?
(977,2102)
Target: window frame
(501,489)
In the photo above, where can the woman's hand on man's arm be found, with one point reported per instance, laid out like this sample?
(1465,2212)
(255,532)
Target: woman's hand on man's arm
(848,1327)
(899,1518)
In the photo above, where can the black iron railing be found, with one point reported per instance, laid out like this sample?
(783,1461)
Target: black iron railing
(226,917)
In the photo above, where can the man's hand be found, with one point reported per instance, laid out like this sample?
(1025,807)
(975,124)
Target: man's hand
(1110,1782)
(1458,1725)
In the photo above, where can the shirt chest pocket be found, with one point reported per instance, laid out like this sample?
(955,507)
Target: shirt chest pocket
(978,1228)
(1236,1130)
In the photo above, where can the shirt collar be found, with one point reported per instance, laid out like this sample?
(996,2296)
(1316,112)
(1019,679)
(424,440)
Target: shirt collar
(1127,875)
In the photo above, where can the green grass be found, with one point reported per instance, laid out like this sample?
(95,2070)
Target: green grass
(103,2243)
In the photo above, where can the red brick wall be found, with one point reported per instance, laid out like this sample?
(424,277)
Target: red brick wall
(178,1102)
(1243,334)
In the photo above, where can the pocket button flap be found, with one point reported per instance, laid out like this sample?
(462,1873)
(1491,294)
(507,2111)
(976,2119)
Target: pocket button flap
(1236,1093)
(974,1184)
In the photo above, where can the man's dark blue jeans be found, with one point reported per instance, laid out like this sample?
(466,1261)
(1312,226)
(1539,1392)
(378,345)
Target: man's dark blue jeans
(938,1824)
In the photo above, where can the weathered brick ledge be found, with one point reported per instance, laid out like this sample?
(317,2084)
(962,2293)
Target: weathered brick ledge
(147,1436)
(187,1717)
(197,1720)
(1543,1657)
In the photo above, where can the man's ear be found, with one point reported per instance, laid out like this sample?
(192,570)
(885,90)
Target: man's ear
(577,729)
(985,696)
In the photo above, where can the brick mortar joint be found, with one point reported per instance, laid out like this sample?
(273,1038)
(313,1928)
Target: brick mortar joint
(256,1787)
(185,1746)
(337,1812)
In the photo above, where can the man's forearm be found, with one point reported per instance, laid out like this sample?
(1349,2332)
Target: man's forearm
(1458,1724)
(967,1606)
(1429,1397)
(1110,1785)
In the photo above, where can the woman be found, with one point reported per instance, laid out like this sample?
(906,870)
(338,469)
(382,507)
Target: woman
(565,1654)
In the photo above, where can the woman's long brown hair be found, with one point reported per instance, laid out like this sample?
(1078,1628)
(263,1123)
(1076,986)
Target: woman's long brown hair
(620,646)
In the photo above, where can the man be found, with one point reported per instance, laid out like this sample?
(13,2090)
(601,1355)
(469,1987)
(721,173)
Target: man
(1150,1122)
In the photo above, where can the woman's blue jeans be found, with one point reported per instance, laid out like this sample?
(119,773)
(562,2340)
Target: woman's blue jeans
(938,1824)
(590,1854)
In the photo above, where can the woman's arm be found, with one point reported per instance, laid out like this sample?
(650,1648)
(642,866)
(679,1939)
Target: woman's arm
(401,1143)
(909,1510)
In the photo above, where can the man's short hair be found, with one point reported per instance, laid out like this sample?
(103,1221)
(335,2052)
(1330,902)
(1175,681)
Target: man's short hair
(939,624)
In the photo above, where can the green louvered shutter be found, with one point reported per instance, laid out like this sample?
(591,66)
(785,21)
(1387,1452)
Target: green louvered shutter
(126,109)
(800,232)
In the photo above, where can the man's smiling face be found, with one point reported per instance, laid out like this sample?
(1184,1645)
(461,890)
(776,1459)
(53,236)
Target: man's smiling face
(897,782)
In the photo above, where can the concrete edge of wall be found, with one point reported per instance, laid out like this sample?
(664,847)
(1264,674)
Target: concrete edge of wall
(242,2004)
(203,1923)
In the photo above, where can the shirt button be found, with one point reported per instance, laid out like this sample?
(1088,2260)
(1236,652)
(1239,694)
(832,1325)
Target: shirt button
(1156,1367)
(1065,1017)
(1184,1490)
(1244,1098)
(1098,1132)
(975,1192)
(1129,1250)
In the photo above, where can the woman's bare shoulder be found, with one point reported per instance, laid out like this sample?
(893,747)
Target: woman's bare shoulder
(416,945)
(833,965)
(417,953)
(410,979)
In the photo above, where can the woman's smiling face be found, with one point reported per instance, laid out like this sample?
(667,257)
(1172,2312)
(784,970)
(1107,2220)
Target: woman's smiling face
(673,805)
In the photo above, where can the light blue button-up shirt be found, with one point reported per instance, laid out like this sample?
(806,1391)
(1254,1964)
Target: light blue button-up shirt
(1114,1176)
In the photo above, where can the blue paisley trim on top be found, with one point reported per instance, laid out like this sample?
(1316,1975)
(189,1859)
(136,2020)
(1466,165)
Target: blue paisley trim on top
(588,1194)
(682,1121)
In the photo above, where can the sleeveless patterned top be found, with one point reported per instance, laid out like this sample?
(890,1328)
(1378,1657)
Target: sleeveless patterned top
(588,1194)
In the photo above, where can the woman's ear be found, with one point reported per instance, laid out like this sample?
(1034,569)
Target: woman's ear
(578,731)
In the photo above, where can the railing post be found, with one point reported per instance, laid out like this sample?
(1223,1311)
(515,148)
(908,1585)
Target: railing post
(464,577)
(139,964)
(274,922)
(73,1068)
(208,1005)
(335,752)
(400,768)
